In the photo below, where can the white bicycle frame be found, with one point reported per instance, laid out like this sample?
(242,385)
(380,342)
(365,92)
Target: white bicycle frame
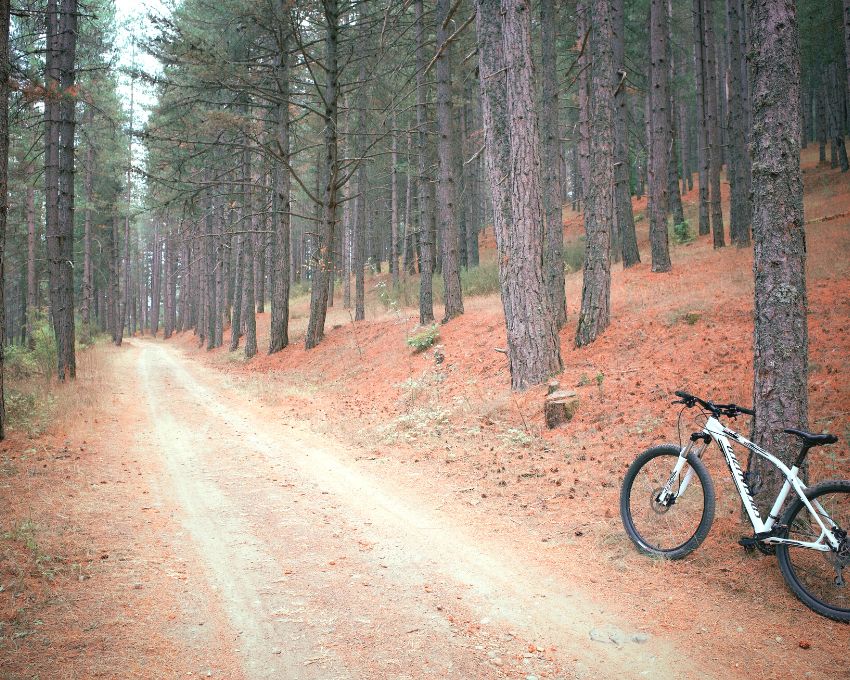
(722,434)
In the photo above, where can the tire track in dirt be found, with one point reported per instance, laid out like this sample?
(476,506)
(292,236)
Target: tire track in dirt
(328,571)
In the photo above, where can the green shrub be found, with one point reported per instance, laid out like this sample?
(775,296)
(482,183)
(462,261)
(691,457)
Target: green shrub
(22,362)
(19,362)
(424,338)
(574,256)
(682,232)
(480,280)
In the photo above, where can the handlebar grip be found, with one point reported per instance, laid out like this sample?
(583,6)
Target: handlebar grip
(683,395)
(832,439)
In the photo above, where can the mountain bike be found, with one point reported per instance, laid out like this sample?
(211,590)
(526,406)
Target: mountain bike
(667,506)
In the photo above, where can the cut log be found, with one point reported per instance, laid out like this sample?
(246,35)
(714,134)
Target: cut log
(559,408)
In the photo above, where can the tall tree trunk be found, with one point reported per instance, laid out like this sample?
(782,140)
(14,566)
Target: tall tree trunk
(394,255)
(703,157)
(821,118)
(249,303)
(553,227)
(360,221)
(737,168)
(210,269)
(170,321)
(598,206)
(583,127)
(5,73)
(86,303)
(513,163)
(156,276)
(837,117)
(446,190)
(32,281)
(238,277)
(847,47)
(713,124)
(64,309)
(659,155)
(426,241)
(279,329)
(319,291)
(409,260)
(780,386)
(53,233)
(673,196)
(623,214)
(118,311)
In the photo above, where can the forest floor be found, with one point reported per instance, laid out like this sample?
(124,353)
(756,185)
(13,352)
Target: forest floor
(361,511)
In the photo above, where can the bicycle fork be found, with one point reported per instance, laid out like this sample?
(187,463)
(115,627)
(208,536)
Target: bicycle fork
(666,497)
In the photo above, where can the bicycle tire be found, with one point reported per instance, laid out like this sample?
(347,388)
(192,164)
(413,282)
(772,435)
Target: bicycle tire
(810,574)
(700,505)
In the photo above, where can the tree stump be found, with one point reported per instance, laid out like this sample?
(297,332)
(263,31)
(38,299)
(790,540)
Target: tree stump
(559,408)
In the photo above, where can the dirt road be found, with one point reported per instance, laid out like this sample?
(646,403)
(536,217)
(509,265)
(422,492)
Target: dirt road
(317,564)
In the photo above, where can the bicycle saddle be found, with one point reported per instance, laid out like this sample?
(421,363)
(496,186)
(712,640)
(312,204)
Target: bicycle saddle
(811,439)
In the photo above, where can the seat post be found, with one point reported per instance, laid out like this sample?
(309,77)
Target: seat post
(804,450)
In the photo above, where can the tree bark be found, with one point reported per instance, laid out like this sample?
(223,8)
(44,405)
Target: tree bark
(210,269)
(703,162)
(836,118)
(360,221)
(156,275)
(595,311)
(5,73)
(87,283)
(446,190)
(673,196)
(426,241)
(623,215)
(394,217)
(319,292)
(553,227)
(847,47)
(659,156)
(32,281)
(712,122)
(738,156)
(780,362)
(409,250)
(279,328)
(238,276)
(115,275)
(583,127)
(513,163)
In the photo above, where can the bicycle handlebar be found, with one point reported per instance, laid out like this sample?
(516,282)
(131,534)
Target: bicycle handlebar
(729,410)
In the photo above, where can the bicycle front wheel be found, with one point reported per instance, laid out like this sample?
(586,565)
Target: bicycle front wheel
(821,580)
(676,528)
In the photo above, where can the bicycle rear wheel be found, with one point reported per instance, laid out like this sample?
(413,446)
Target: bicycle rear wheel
(670,530)
(821,580)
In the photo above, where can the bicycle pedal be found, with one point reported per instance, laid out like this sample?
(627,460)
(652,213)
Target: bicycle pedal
(749,541)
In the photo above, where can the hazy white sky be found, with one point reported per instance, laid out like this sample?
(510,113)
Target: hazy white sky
(133,24)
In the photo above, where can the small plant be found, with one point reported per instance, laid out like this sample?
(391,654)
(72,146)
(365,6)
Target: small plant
(583,380)
(424,338)
(574,255)
(599,378)
(480,280)
(517,437)
(388,296)
(682,232)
